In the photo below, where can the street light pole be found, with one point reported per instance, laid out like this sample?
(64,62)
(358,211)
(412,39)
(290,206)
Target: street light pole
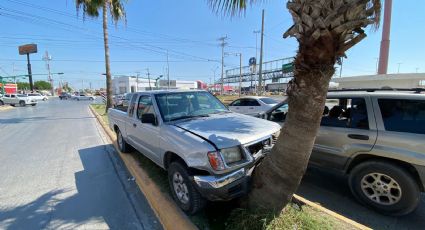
(240,74)
(260,74)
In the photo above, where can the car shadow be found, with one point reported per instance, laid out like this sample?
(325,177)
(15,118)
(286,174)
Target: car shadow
(97,201)
(331,191)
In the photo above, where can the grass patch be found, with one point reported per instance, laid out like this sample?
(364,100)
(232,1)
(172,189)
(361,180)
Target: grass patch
(100,109)
(228,215)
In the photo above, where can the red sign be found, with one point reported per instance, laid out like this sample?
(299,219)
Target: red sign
(10,88)
(27,49)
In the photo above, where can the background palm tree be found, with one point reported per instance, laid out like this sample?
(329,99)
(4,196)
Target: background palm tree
(91,8)
(325,30)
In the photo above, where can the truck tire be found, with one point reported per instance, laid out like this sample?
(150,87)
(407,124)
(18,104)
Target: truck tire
(122,144)
(385,187)
(183,189)
(22,103)
(1,103)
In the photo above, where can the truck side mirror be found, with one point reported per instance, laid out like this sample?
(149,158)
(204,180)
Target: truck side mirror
(149,118)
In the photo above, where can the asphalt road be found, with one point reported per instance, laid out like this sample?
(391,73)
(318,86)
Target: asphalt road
(58,171)
(331,190)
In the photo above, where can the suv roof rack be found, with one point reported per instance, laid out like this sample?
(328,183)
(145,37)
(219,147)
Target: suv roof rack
(415,90)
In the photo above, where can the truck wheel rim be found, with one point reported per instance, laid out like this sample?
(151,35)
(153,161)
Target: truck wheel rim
(180,188)
(381,189)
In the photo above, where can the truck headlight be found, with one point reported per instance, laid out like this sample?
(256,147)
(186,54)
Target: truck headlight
(231,155)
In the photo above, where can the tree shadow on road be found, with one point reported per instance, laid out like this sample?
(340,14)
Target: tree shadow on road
(97,201)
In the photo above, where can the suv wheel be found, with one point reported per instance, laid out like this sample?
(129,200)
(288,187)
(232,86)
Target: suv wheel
(385,187)
(22,103)
(122,144)
(183,190)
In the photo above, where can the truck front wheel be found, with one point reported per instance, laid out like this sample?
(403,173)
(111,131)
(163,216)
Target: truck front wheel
(22,103)
(183,190)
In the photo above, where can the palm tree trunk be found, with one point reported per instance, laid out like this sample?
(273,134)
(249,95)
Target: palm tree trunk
(107,63)
(276,179)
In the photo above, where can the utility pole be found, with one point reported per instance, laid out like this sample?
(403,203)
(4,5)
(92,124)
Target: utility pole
(384,51)
(260,74)
(149,79)
(240,74)
(398,69)
(47,59)
(256,32)
(222,44)
(137,82)
(168,73)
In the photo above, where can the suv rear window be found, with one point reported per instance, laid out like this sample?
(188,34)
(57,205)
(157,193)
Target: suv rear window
(400,115)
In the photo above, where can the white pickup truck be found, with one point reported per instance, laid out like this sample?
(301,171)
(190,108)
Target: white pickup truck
(17,99)
(208,151)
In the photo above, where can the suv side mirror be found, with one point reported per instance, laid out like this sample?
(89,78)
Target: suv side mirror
(149,118)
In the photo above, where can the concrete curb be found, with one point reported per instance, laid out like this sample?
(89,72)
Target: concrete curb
(170,216)
(4,108)
(302,200)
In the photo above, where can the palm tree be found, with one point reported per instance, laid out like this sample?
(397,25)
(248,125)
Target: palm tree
(116,9)
(325,30)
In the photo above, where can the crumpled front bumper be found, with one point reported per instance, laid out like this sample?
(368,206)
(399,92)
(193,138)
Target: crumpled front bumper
(226,187)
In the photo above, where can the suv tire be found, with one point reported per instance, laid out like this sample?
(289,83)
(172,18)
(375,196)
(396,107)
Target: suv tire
(183,189)
(22,103)
(385,187)
(122,144)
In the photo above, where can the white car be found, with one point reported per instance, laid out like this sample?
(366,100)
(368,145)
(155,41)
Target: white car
(82,97)
(37,96)
(17,99)
(252,105)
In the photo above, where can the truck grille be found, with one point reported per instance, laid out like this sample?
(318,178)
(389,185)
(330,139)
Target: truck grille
(264,146)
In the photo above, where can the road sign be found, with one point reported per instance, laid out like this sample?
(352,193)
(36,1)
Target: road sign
(288,67)
(27,49)
(252,61)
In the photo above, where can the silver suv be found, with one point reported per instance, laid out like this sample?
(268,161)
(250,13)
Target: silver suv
(378,140)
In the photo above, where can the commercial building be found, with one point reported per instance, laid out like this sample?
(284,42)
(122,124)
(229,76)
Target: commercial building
(405,80)
(127,84)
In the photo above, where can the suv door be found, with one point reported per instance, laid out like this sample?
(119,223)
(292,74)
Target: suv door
(146,135)
(348,126)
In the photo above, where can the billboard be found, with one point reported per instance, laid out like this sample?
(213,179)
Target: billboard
(27,49)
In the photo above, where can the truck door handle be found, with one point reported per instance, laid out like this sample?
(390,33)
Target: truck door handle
(358,136)
(134,125)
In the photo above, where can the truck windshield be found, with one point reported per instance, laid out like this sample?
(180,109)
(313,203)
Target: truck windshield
(182,105)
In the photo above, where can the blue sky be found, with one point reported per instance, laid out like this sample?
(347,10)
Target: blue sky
(188,29)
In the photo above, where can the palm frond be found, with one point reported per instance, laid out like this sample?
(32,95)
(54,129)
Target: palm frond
(117,10)
(229,7)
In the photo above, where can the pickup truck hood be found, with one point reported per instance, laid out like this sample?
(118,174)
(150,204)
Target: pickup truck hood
(229,129)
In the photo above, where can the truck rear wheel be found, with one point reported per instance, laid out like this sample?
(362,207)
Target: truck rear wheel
(385,187)
(183,189)
(122,144)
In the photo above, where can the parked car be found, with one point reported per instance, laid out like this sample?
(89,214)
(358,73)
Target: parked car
(64,96)
(126,99)
(252,105)
(37,96)
(208,151)
(81,96)
(378,140)
(18,99)
(118,100)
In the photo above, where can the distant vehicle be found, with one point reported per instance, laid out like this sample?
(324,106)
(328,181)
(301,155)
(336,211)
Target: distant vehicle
(377,139)
(126,99)
(18,99)
(64,96)
(37,96)
(80,97)
(193,136)
(118,100)
(252,105)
